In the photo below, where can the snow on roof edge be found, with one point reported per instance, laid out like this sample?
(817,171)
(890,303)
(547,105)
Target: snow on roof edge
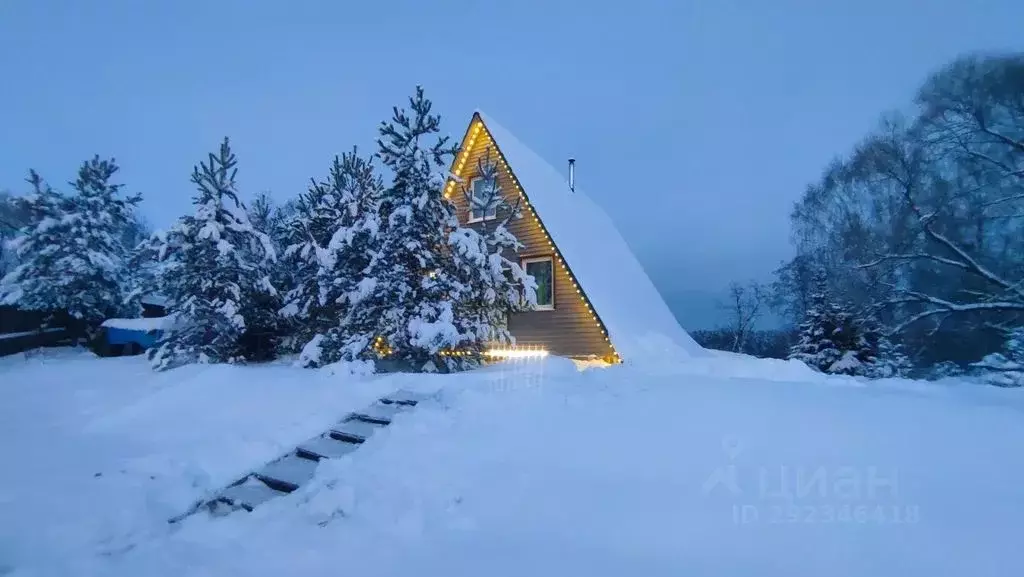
(589,241)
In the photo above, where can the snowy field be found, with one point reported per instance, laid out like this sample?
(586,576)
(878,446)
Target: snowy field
(98,453)
(715,466)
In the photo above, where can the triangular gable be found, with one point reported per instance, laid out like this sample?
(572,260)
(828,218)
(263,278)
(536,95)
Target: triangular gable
(621,297)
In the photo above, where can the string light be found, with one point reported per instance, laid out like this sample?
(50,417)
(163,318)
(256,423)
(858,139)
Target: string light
(516,352)
(477,128)
(381,347)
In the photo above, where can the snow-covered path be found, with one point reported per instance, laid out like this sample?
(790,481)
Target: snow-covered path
(719,466)
(97,452)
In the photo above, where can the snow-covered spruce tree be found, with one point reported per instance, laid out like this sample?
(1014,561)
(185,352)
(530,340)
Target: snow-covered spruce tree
(880,357)
(358,191)
(143,278)
(72,255)
(264,326)
(494,283)
(828,340)
(834,340)
(406,303)
(214,263)
(265,216)
(814,346)
(1005,369)
(271,219)
(34,246)
(14,216)
(309,230)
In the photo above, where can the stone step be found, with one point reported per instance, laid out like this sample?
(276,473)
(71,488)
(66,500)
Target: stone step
(355,430)
(381,412)
(326,447)
(404,397)
(249,493)
(288,473)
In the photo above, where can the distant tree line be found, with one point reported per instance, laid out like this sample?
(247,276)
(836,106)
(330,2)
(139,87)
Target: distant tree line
(910,248)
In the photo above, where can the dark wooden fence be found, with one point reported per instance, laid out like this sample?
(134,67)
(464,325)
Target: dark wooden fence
(23,330)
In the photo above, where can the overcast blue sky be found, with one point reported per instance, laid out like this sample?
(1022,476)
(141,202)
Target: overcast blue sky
(695,123)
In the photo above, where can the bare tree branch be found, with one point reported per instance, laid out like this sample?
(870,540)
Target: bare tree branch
(945,307)
(745,307)
(911,257)
(1004,200)
(1012,142)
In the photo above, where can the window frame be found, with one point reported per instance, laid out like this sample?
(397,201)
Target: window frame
(472,201)
(551,262)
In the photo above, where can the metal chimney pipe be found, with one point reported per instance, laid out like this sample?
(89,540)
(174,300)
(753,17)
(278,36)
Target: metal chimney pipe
(572,175)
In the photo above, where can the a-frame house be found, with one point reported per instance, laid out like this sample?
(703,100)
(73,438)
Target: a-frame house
(594,299)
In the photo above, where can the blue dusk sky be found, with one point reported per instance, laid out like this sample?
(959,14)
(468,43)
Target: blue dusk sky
(695,123)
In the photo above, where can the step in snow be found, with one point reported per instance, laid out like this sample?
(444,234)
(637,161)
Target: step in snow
(381,412)
(249,493)
(327,447)
(290,472)
(404,397)
(355,429)
(219,507)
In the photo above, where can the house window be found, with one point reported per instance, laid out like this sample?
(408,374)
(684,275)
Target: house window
(486,194)
(543,272)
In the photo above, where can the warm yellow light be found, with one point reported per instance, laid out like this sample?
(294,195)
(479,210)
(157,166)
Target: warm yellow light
(516,353)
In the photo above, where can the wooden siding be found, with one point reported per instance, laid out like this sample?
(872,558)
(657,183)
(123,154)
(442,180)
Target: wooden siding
(568,329)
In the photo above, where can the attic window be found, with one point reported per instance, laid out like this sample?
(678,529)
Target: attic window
(543,272)
(486,194)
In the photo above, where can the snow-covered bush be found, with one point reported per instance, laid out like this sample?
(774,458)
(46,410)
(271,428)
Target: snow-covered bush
(1005,369)
(945,369)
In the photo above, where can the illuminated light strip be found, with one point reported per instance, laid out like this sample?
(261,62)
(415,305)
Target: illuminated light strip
(461,162)
(557,253)
(474,132)
(516,353)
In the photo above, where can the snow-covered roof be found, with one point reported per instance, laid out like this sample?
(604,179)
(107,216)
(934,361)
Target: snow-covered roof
(143,324)
(638,321)
(155,299)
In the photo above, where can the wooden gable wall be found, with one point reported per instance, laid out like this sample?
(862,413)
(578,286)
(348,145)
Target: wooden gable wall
(569,329)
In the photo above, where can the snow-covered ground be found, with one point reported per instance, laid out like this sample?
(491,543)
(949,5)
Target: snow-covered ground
(99,452)
(712,466)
